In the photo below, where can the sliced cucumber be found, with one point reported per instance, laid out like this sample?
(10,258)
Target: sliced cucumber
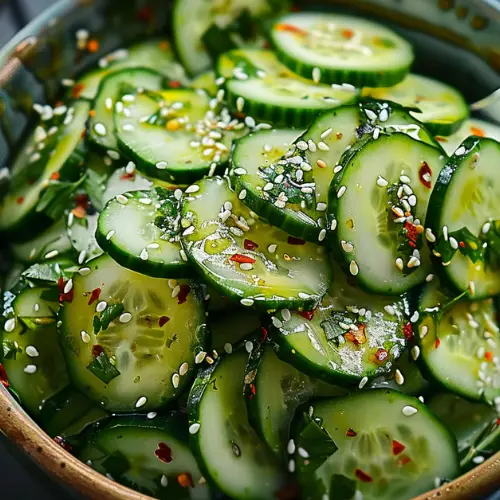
(205,81)
(377,202)
(443,109)
(30,353)
(53,239)
(388,445)
(230,452)
(270,92)
(245,258)
(459,344)
(334,48)
(101,126)
(81,232)
(140,230)
(155,54)
(469,422)
(464,218)
(130,340)
(274,391)
(150,456)
(203,16)
(350,336)
(54,152)
(167,134)
(473,126)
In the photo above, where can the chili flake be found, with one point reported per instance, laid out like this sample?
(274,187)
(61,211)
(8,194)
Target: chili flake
(404,459)
(163,320)
(94,295)
(477,131)
(242,259)
(253,391)
(250,245)
(93,45)
(290,28)
(408,331)
(20,200)
(363,476)
(424,174)
(164,453)
(263,334)
(3,377)
(309,315)
(397,447)
(77,90)
(489,356)
(357,337)
(63,443)
(183,294)
(128,177)
(437,343)
(174,84)
(295,241)
(381,355)
(185,480)
(92,113)
(55,176)
(347,33)
(351,433)
(79,212)
(97,350)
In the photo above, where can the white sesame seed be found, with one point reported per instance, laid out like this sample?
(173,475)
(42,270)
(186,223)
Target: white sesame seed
(390,310)
(347,246)
(246,266)
(175,380)
(291,466)
(303,453)
(460,151)
(125,317)
(472,288)
(341,191)
(383,115)
(413,262)
(353,268)
(326,133)
(32,351)
(183,369)
(291,447)
(228,348)
(151,415)
(322,235)
(130,167)
(398,376)
(408,411)
(316,75)
(153,246)
(68,286)
(323,146)
(424,330)
(312,146)
(194,188)
(445,233)
(415,352)
(30,369)
(128,127)
(141,402)
(200,357)
(144,254)
(276,322)
(363,382)
(399,263)
(101,306)
(52,254)
(247,302)
(85,337)
(249,346)
(110,234)
(286,315)
(381,182)
(36,307)
(100,129)
(429,278)
(194,428)
(333,225)
(302,145)
(183,255)
(240,171)
(371,115)
(414,317)
(9,325)
(479,459)
(272,248)
(120,198)
(249,122)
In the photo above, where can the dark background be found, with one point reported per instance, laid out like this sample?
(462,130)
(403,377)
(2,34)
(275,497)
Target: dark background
(19,478)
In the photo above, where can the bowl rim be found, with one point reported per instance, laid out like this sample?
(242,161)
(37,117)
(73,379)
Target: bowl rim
(22,430)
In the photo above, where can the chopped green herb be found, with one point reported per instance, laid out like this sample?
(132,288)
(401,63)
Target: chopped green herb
(103,369)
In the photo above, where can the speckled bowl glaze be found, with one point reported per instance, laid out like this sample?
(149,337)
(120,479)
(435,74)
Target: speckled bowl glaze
(463,37)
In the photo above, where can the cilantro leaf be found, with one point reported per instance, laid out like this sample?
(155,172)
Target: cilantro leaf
(56,197)
(103,369)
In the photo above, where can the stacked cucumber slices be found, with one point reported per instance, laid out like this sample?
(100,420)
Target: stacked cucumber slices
(269,270)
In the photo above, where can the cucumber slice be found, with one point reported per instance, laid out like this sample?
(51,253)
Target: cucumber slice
(258,85)
(140,230)
(274,391)
(101,127)
(245,258)
(31,354)
(377,202)
(127,338)
(334,48)
(54,152)
(165,134)
(464,216)
(443,109)
(469,422)
(205,81)
(53,239)
(150,456)
(473,126)
(459,344)
(389,446)
(156,54)
(201,16)
(232,455)
(81,232)
(350,336)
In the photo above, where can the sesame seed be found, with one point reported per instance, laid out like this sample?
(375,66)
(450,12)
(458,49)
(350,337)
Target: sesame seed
(322,235)
(36,307)
(424,330)
(472,288)
(381,181)
(125,317)
(371,115)
(323,146)
(110,234)
(415,352)
(316,75)
(390,310)
(192,189)
(249,122)
(67,82)
(249,346)
(247,302)
(183,369)
(30,369)
(291,466)
(414,317)
(52,254)
(101,306)
(333,225)
(161,165)
(429,235)
(175,380)
(303,453)
(312,146)
(478,460)
(194,428)
(363,382)
(486,227)
(85,337)
(353,268)
(398,376)
(413,262)
(291,447)
(153,246)
(120,198)
(240,171)
(376,133)
(141,402)
(272,248)
(200,357)
(242,195)
(276,322)
(347,246)
(144,254)
(68,286)
(302,145)
(128,127)
(321,207)
(100,129)
(383,115)
(228,348)
(408,411)
(130,168)
(445,233)
(240,103)
(399,263)
(326,133)
(32,351)
(84,271)
(151,415)
(429,278)
(9,325)
(183,255)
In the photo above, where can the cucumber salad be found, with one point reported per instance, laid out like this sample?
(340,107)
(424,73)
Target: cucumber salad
(259,259)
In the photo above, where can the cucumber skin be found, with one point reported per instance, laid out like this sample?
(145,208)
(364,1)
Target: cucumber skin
(436,201)
(445,129)
(278,116)
(355,77)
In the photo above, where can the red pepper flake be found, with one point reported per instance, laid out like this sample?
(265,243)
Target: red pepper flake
(408,331)
(145,15)
(163,320)
(82,200)
(437,343)
(397,447)
(183,294)
(381,356)
(94,295)
(478,131)
(128,177)
(76,90)
(164,45)
(253,391)
(164,453)
(309,315)
(185,480)
(423,174)
(411,233)
(55,176)
(250,245)
(498,421)
(97,350)
(174,84)
(3,377)
(295,241)
(93,45)
(20,200)
(363,476)
(489,356)
(347,33)
(242,259)
(92,113)
(263,334)
(63,443)
(461,244)
(404,459)
(290,28)
(351,433)
(440,138)
(64,297)
(357,337)
(79,212)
